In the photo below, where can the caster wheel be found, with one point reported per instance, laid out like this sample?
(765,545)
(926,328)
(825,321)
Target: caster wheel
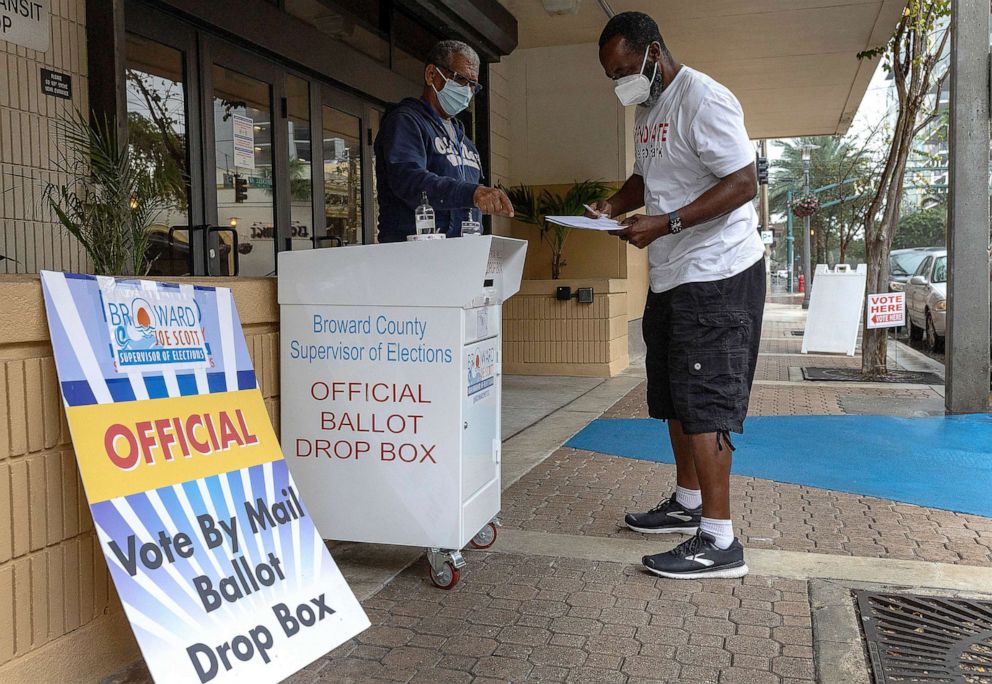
(485,538)
(447,578)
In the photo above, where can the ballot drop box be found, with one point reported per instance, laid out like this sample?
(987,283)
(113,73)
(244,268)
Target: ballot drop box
(391,387)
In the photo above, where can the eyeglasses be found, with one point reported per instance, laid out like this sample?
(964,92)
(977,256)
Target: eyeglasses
(461,80)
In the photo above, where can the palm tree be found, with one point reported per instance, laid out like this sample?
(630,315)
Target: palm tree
(838,162)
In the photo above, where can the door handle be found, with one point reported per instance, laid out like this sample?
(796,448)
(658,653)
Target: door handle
(334,238)
(234,249)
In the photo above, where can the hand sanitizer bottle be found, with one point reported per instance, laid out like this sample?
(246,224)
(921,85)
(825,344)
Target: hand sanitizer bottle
(425,216)
(470,226)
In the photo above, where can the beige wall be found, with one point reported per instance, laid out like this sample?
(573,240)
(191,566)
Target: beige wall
(500,134)
(566,125)
(28,150)
(542,336)
(60,619)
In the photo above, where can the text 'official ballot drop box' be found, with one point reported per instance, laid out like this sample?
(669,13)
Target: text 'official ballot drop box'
(391,387)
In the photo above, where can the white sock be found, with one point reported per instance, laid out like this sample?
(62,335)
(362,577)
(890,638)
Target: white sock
(721,530)
(690,498)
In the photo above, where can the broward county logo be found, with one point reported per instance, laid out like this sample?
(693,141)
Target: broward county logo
(480,370)
(154,329)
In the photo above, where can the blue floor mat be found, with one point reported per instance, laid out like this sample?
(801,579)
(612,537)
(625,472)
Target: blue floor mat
(940,462)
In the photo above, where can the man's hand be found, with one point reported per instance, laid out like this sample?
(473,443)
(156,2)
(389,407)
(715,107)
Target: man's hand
(641,230)
(492,201)
(603,207)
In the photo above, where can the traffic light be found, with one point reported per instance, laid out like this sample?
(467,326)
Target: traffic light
(762,170)
(240,188)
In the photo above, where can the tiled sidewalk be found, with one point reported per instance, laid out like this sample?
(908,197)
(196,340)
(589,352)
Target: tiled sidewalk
(523,618)
(518,617)
(582,493)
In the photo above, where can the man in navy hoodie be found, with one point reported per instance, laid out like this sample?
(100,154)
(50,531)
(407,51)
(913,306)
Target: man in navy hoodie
(422,147)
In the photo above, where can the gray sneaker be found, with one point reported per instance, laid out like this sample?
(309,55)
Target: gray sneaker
(668,517)
(699,557)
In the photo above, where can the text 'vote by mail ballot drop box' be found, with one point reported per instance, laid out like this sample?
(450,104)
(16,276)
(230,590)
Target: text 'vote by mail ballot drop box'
(391,385)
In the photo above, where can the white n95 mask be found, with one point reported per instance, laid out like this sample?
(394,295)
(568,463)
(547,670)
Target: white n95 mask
(636,88)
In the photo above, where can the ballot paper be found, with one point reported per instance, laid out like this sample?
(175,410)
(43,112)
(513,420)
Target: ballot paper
(584,222)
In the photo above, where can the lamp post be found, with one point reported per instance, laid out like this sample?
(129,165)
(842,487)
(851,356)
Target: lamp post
(807,155)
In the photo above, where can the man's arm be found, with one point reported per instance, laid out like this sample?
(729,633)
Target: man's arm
(406,167)
(628,198)
(729,193)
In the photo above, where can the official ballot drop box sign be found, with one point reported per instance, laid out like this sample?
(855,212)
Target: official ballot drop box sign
(391,385)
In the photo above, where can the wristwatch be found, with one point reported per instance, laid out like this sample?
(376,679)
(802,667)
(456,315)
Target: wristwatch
(674,223)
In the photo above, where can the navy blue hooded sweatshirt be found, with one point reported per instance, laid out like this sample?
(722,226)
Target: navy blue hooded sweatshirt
(414,152)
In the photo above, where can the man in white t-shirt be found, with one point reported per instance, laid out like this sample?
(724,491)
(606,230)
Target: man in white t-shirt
(694,173)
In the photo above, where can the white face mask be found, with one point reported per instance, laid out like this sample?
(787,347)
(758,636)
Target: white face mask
(636,88)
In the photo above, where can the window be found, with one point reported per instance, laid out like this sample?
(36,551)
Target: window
(924,268)
(905,264)
(940,270)
(300,163)
(342,175)
(156,115)
(243,173)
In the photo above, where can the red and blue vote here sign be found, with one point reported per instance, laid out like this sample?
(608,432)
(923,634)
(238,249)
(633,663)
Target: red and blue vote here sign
(220,569)
(886,310)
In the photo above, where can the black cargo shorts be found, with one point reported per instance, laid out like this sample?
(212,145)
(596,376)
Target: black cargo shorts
(702,348)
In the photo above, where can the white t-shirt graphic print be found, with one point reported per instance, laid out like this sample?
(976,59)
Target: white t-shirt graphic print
(692,137)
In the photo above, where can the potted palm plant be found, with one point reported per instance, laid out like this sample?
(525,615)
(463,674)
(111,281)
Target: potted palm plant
(111,199)
(532,208)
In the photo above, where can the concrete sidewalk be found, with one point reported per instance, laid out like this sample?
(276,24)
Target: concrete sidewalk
(561,597)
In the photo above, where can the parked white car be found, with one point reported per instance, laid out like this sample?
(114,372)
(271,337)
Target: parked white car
(926,301)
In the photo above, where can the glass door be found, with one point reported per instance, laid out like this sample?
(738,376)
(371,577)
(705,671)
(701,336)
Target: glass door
(242,163)
(343,154)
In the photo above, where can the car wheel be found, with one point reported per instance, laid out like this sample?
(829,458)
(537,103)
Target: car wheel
(933,341)
(915,333)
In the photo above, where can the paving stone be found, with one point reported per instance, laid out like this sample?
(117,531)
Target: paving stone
(433,676)
(642,667)
(703,656)
(474,647)
(699,675)
(734,675)
(389,637)
(752,646)
(527,636)
(624,616)
(701,625)
(612,645)
(558,656)
(584,612)
(505,669)
(751,662)
(800,668)
(533,621)
(581,675)
(570,625)
(544,608)
(412,658)
(762,618)
(453,662)
(706,640)
(662,635)
(589,599)
(545,673)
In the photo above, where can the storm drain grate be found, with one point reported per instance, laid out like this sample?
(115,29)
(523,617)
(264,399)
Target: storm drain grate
(854,375)
(926,638)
